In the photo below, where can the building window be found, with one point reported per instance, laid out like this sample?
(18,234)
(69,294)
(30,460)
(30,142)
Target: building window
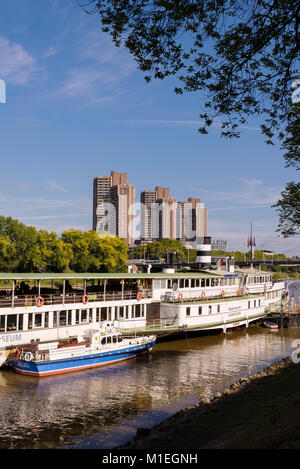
(188,311)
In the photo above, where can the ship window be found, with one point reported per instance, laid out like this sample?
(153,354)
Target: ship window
(30,316)
(156,284)
(200,310)
(11,322)
(181,283)
(108,339)
(169,283)
(46,320)
(186,283)
(207,282)
(188,311)
(77,317)
(103,341)
(114,339)
(218,308)
(119,338)
(249,304)
(2,323)
(121,311)
(84,315)
(20,325)
(38,320)
(163,284)
(137,311)
(197,282)
(63,318)
(202,282)
(193,283)
(210,309)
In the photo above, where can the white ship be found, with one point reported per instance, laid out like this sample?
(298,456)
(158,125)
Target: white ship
(38,308)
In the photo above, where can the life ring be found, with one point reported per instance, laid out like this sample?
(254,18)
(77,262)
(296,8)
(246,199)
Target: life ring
(85,299)
(139,296)
(203,295)
(180,297)
(39,301)
(28,356)
(222,293)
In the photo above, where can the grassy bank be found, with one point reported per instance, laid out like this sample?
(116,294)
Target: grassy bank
(262,411)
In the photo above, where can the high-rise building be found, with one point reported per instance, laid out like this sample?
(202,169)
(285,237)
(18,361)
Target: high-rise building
(191,220)
(163,217)
(113,206)
(158,215)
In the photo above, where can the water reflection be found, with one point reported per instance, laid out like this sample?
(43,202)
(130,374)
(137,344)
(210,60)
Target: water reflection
(102,407)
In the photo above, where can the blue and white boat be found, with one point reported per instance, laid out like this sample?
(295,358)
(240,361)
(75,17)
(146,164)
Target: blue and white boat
(96,349)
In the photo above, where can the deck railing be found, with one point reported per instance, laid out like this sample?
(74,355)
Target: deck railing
(71,298)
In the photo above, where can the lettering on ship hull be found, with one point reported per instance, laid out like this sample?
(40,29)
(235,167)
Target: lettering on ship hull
(10,338)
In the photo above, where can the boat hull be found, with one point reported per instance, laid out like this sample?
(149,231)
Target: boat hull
(48,368)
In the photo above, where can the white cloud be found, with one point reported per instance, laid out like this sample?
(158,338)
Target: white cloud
(103,67)
(16,64)
(253,193)
(54,186)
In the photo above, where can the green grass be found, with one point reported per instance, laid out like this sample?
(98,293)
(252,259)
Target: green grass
(262,414)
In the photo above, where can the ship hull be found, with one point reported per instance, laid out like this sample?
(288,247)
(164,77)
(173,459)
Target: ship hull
(48,368)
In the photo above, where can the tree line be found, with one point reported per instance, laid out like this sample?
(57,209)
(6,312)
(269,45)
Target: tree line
(169,250)
(25,249)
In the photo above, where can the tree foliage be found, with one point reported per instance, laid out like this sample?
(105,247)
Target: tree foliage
(289,210)
(167,249)
(241,54)
(25,249)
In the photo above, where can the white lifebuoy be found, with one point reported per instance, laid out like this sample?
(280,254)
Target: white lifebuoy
(28,356)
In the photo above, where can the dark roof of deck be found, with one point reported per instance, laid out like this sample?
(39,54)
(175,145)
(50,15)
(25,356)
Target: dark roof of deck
(99,276)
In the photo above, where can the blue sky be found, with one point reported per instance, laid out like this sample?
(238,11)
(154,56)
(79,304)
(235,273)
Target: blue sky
(77,107)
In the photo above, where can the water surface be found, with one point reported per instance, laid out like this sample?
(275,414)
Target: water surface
(101,408)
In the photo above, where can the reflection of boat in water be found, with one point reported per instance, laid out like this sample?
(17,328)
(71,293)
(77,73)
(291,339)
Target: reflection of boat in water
(270,325)
(96,349)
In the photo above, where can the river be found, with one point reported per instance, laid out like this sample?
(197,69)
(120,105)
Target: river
(101,408)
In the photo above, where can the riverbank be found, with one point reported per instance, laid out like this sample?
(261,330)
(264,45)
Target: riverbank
(260,411)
